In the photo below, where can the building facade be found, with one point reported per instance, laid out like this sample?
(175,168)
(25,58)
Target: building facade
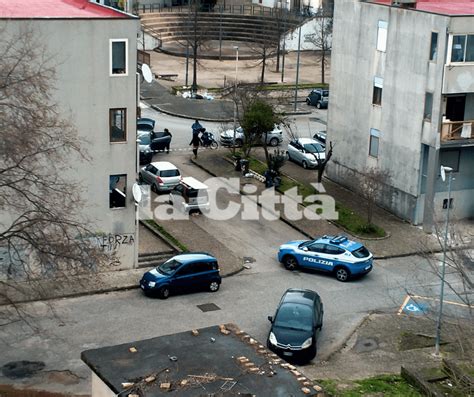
(402,101)
(93,50)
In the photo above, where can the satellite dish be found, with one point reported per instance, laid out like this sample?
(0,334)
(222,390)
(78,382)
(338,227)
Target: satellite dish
(146,72)
(443,174)
(137,192)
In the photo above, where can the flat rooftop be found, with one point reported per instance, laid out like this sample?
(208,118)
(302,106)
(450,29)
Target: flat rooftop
(215,360)
(56,9)
(442,7)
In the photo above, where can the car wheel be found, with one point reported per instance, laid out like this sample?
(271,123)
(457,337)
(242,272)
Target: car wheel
(214,286)
(308,102)
(213,145)
(312,351)
(318,105)
(154,188)
(290,262)
(288,157)
(164,292)
(239,142)
(140,178)
(274,142)
(304,164)
(342,274)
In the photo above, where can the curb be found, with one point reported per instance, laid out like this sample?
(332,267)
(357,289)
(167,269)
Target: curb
(185,116)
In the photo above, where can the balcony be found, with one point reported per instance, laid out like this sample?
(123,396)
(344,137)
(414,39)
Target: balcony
(453,132)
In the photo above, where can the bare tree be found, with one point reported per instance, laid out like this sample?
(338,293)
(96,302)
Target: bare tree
(373,180)
(41,233)
(321,38)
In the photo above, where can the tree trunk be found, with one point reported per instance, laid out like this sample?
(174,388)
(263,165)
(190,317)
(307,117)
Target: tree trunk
(323,65)
(194,85)
(264,62)
(278,57)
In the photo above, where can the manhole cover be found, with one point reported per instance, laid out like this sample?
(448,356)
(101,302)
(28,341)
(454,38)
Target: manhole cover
(22,369)
(208,307)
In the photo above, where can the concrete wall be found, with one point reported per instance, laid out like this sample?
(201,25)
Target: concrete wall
(99,388)
(85,92)
(407,74)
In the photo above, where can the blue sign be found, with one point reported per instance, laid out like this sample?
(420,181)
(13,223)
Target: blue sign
(416,308)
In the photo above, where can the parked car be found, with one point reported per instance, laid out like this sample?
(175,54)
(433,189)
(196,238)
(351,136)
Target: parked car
(161,175)
(144,142)
(306,151)
(190,195)
(182,273)
(145,124)
(151,142)
(333,254)
(274,137)
(296,324)
(319,98)
(320,136)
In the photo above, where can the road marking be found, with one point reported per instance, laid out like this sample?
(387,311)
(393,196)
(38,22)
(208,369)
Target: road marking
(444,301)
(407,298)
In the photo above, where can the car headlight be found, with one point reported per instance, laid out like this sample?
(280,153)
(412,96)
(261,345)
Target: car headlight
(272,338)
(307,343)
(151,284)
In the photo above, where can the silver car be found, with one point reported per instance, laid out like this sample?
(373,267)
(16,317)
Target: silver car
(274,137)
(306,151)
(161,175)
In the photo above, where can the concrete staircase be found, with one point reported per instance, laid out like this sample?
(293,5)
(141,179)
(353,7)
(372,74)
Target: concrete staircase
(235,22)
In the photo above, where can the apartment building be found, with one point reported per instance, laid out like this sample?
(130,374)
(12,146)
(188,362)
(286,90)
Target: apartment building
(93,49)
(402,100)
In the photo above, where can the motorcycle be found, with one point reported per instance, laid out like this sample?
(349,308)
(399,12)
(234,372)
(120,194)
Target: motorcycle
(208,140)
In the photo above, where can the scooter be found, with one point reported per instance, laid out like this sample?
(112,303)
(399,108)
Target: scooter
(208,140)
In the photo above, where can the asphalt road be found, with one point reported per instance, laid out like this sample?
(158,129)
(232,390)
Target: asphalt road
(58,337)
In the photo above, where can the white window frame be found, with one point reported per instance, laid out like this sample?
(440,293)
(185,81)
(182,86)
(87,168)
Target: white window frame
(376,134)
(382,33)
(111,41)
(450,46)
(378,83)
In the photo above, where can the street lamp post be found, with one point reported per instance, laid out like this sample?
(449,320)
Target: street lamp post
(297,67)
(236,48)
(444,170)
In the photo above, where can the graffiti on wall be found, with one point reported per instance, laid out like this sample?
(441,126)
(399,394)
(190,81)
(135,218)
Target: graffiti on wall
(113,242)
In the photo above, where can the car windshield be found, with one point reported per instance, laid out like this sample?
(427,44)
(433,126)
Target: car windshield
(294,316)
(195,193)
(144,139)
(325,93)
(169,173)
(361,252)
(169,266)
(313,148)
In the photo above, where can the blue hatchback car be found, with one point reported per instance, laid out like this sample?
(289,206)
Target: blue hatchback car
(333,254)
(182,273)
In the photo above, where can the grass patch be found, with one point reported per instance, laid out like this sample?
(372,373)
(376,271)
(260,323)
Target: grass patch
(167,235)
(386,385)
(356,224)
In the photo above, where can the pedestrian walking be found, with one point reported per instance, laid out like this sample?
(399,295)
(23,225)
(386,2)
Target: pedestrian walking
(197,127)
(195,142)
(167,144)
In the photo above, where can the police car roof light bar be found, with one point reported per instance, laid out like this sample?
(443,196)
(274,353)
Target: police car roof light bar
(338,239)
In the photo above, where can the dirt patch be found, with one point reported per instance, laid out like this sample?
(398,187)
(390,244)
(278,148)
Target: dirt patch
(62,377)
(385,342)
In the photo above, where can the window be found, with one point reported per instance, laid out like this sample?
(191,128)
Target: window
(118,125)
(434,46)
(316,247)
(117,191)
(462,48)
(445,204)
(331,250)
(450,158)
(428,106)
(118,57)
(377,95)
(382,36)
(374,142)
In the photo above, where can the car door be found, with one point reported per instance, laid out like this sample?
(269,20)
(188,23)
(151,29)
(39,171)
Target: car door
(158,141)
(334,254)
(299,152)
(313,256)
(149,176)
(185,277)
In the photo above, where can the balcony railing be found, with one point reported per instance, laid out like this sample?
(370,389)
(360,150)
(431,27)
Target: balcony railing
(452,130)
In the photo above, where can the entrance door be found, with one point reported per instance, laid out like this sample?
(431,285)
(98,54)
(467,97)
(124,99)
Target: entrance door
(455,106)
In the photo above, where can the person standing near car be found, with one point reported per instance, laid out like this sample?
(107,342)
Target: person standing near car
(167,145)
(195,142)
(196,127)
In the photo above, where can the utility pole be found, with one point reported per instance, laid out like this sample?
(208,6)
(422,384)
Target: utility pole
(297,67)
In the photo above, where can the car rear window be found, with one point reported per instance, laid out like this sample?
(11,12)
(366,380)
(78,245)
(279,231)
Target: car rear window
(169,173)
(361,252)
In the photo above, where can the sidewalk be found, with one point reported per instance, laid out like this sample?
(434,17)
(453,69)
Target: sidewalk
(404,238)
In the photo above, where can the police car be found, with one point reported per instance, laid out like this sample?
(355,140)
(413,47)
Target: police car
(334,254)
